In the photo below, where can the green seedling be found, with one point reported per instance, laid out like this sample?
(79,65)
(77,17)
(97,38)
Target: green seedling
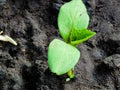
(6,38)
(73,21)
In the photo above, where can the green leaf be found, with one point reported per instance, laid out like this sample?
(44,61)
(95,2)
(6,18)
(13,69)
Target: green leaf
(79,36)
(62,57)
(72,15)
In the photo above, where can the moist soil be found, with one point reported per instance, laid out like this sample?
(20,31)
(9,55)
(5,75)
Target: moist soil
(33,24)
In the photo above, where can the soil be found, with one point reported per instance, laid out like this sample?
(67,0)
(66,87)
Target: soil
(33,24)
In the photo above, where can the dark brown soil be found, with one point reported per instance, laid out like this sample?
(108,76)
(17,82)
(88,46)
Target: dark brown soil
(33,24)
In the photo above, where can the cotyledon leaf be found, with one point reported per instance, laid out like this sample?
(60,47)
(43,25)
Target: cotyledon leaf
(62,57)
(72,15)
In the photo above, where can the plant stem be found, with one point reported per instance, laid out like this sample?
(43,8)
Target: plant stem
(70,74)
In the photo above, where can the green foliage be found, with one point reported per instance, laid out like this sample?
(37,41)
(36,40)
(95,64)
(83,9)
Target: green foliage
(62,57)
(79,36)
(73,21)
(72,16)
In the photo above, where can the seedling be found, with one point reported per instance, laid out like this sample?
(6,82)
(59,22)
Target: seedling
(73,21)
(6,38)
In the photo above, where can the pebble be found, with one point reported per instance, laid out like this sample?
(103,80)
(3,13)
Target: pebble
(113,60)
(115,37)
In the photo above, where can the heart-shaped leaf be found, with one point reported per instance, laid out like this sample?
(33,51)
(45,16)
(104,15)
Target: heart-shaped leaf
(62,57)
(79,36)
(72,15)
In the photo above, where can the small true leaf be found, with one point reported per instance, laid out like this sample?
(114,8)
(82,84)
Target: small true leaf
(79,36)
(62,57)
(72,15)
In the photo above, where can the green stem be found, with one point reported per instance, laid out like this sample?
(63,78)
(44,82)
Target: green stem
(70,74)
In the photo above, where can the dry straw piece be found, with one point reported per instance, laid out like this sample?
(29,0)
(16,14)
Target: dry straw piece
(6,38)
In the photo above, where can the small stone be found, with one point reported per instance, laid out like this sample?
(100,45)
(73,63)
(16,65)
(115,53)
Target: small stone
(113,61)
(118,50)
(98,54)
(115,38)
(44,87)
(2,2)
(2,75)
